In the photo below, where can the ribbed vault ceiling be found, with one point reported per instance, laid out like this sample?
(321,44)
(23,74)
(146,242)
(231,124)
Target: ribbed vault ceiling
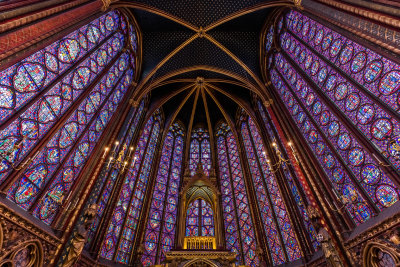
(217,41)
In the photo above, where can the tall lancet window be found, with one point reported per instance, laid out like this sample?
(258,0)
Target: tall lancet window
(344,99)
(54,107)
(200,219)
(102,192)
(200,151)
(239,230)
(281,239)
(161,225)
(297,191)
(121,231)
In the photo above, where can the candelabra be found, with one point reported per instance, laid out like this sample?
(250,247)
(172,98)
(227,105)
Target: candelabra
(118,161)
(6,154)
(281,161)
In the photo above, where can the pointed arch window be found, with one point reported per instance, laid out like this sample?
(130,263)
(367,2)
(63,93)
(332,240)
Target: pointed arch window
(161,225)
(297,191)
(280,236)
(106,181)
(200,219)
(239,230)
(200,151)
(343,97)
(121,231)
(54,106)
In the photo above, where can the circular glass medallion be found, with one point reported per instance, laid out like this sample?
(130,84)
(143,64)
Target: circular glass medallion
(358,62)
(352,102)
(327,41)
(356,156)
(365,114)
(341,91)
(331,82)
(346,54)
(333,128)
(373,70)
(381,129)
(370,174)
(390,83)
(329,161)
(322,74)
(337,44)
(344,141)
(387,195)
(338,175)
(324,118)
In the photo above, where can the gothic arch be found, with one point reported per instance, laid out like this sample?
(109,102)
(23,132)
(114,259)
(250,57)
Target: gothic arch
(371,254)
(28,254)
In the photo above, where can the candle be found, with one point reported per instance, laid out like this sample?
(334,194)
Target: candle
(115,147)
(105,152)
(109,162)
(130,151)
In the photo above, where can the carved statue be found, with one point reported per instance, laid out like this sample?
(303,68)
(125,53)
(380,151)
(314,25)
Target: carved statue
(78,241)
(331,255)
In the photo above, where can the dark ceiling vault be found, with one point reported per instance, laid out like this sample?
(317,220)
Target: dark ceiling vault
(217,41)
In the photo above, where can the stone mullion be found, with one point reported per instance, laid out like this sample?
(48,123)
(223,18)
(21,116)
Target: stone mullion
(144,211)
(92,171)
(340,114)
(290,204)
(132,193)
(178,203)
(308,163)
(299,189)
(218,186)
(270,202)
(76,183)
(59,78)
(108,172)
(361,190)
(254,208)
(10,180)
(98,239)
(65,118)
(166,193)
(296,184)
(228,160)
(319,187)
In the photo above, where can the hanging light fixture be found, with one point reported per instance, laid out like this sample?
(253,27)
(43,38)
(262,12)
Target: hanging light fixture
(120,160)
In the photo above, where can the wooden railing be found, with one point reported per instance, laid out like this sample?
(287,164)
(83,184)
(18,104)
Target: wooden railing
(199,243)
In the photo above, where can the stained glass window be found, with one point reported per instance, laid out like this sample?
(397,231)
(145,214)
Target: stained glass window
(295,190)
(161,225)
(280,235)
(200,151)
(122,228)
(239,230)
(343,97)
(54,107)
(200,219)
(110,173)
(59,91)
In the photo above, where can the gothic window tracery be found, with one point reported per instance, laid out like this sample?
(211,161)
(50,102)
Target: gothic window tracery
(281,239)
(123,225)
(200,151)
(160,230)
(339,94)
(297,191)
(54,107)
(239,230)
(200,219)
